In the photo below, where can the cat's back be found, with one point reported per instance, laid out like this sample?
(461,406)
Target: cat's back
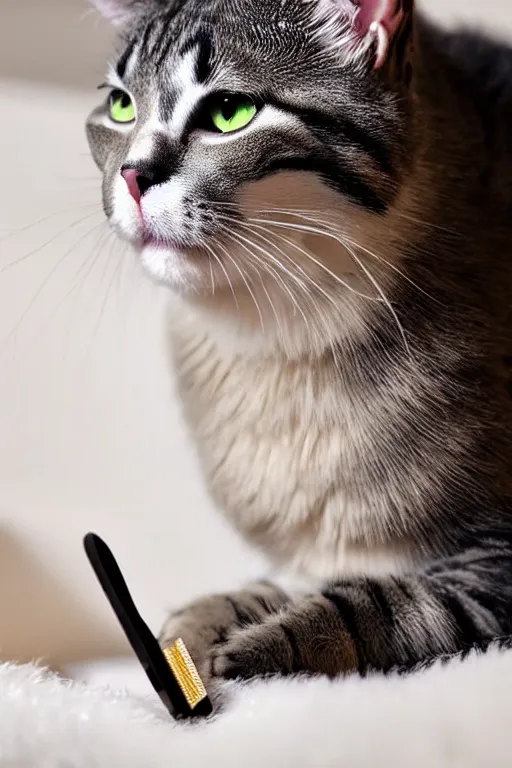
(467,102)
(476,71)
(482,61)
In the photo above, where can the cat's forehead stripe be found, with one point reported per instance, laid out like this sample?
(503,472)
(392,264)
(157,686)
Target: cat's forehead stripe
(184,92)
(181,74)
(202,44)
(122,63)
(150,38)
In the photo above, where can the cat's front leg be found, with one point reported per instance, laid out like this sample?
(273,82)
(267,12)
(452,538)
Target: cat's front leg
(208,621)
(309,637)
(363,624)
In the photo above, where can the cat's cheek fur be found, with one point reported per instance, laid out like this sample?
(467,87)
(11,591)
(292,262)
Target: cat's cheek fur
(269,199)
(100,138)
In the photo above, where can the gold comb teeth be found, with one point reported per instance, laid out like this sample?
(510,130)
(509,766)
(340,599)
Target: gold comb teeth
(185,672)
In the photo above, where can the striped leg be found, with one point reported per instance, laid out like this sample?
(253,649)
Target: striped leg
(361,624)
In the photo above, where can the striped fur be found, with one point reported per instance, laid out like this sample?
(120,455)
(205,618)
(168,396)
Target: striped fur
(367,624)
(343,335)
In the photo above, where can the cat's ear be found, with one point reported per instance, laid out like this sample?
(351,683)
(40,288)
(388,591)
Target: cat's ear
(383,19)
(119,12)
(372,24)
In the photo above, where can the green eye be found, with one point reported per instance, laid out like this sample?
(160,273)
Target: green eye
(121,107)
(231,112)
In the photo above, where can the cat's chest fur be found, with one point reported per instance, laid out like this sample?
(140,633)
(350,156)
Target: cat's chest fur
(282,446)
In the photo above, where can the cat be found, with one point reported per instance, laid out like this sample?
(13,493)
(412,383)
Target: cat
(326,188)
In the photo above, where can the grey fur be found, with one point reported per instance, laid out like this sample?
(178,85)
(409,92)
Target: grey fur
(426,141)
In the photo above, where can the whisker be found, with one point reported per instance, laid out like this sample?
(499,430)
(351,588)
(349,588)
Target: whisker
(42,220)
(106,297)
(322,266)
(276,261)
(256,230)
(394,268)
(251,292)
(414,220)
(304,228)
(47,279)
(119,271)
(269,269)
(221,265)
(39,248)
(86,261)
(357,261)
(336,228)
(269,299)
(316,314)
(252,230)
(90,263)
(317,311)
(384,298)
(212,278)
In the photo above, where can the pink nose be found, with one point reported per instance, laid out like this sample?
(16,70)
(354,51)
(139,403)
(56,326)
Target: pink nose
(132,176)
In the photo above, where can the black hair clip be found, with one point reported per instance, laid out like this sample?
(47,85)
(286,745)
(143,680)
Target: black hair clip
(171,671)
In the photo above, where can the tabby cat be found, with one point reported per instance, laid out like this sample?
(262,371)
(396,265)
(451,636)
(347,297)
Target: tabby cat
(326,187)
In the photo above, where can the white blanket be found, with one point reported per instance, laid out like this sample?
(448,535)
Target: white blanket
(456,716)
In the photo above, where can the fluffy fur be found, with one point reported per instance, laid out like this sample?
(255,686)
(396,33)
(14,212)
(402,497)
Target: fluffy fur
(445,717)
(343,340)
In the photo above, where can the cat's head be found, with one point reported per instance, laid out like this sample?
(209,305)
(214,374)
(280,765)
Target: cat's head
(247,145)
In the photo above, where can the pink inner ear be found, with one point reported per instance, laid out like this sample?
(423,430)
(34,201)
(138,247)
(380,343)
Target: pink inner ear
(381,18)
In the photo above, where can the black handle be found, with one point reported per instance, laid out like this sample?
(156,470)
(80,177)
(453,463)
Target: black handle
(140,637)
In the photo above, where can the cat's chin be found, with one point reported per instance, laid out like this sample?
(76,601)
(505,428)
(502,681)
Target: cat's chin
(173,266)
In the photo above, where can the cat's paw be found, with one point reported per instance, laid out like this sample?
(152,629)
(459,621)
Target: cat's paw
(309,637)
(208,622)
(257,651)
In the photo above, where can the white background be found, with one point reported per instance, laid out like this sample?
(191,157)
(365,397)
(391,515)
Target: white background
(91,435)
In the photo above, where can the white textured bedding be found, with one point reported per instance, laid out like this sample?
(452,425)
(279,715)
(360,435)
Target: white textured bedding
(459,715)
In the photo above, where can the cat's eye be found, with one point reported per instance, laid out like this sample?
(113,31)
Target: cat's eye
(231,112)
(121,107)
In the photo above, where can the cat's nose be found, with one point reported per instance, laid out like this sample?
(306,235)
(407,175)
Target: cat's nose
(138,182)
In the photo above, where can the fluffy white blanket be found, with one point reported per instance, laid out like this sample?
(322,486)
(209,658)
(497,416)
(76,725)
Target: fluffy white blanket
(459,715)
